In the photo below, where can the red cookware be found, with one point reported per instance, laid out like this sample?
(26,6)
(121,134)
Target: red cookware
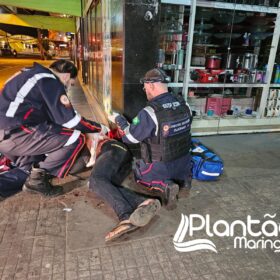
(213,62)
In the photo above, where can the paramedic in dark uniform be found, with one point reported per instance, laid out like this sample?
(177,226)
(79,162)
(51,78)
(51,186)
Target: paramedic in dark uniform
(37,120)
(163,130)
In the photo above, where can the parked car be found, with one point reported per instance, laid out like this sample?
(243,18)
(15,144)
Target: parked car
(8,52)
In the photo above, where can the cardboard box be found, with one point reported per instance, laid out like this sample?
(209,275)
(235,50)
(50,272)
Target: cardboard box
(219,105)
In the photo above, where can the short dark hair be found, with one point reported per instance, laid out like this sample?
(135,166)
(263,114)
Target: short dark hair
(65,66)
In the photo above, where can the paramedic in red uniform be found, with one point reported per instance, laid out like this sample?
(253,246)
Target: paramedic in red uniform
(39,125)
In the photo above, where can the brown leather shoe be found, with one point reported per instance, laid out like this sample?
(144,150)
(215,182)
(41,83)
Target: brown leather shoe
(144,213)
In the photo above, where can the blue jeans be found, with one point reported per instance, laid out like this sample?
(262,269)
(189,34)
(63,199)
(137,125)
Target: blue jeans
(110,169)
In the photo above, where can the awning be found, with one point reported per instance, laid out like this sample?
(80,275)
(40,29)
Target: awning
(68,7)
(43,22)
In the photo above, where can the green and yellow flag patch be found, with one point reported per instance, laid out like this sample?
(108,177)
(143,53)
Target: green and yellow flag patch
(136,121)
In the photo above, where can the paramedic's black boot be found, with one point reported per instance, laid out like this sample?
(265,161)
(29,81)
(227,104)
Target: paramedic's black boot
(39,182)
(167,194)
(171,194)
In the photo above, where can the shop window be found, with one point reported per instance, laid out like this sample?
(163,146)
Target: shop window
(117,54)
(225,80)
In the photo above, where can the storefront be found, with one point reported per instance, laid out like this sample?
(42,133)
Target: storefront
(223,57)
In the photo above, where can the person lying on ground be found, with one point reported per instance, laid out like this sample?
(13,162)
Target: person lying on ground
(113,163)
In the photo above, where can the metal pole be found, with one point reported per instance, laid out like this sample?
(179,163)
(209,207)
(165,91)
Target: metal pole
(270,65)
(189,49)
(179,42)
(107,58)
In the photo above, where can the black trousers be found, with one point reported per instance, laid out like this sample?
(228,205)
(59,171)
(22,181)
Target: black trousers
(12,181)
(110,169)
(53,146)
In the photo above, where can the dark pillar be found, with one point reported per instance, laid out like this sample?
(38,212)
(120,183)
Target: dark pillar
(141,33)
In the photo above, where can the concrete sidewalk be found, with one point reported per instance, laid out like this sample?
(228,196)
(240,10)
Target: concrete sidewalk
(63,237)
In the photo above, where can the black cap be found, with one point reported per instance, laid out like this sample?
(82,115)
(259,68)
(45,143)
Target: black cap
(65,66)
(154,76)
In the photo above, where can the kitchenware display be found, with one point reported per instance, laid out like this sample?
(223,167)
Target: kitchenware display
(213,62)
(260,28)
(161,57)
(249,61)
(230,61)
(172,27)
(202,38)
(225,77)
(228,27)
(259,20)
(198,61)
(180,59)
(203,14)
(203,26)
(241,78)
(260,76)
(276,79)
(258,37)
(227,37)
(205,76)
(227,17)
(252,76)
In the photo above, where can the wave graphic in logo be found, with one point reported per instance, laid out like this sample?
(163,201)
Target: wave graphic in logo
(193,245)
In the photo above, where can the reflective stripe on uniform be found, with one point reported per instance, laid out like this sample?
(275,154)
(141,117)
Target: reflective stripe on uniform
(73,122)
(188,105)
(23,92)
(152,114)
(73,138)
(129,136)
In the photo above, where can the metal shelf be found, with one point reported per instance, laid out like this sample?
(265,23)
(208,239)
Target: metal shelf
(224,126)
(175,85)
(227,6)
(237,125)
(229,85)
(206,45)
(177,2)
(218,85)
(238,7)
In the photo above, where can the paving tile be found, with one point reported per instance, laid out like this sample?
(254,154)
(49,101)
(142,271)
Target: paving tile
(34,230)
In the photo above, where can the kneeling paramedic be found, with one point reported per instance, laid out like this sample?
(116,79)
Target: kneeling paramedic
(113,163)
(37,119)
(163,130)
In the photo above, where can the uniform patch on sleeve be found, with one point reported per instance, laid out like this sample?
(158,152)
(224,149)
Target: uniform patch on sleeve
(65,101)
(136,121)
